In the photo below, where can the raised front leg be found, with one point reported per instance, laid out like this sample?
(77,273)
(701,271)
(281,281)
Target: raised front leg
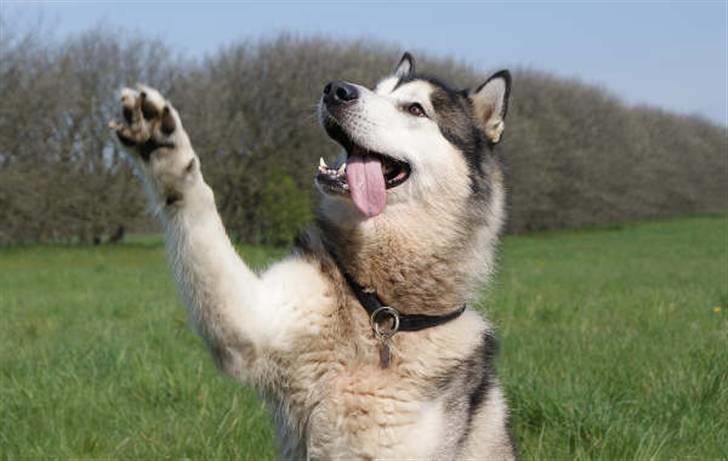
(220,291)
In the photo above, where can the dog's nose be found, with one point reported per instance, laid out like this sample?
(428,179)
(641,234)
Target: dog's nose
(338,92)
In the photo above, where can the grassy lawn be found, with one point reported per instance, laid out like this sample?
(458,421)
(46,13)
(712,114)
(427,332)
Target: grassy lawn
(614,345)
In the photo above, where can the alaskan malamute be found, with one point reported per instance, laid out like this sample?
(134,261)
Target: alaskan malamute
(362,339)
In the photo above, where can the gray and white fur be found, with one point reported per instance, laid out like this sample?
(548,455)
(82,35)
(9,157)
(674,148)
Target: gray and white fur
(296,332)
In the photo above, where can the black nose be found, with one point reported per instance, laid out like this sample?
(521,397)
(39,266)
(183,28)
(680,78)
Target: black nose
(338,92)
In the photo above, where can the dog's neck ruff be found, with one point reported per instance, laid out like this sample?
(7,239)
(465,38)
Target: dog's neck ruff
(380,313)
(386,321)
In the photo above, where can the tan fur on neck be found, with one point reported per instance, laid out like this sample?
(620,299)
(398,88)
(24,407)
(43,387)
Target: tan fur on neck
(421,260)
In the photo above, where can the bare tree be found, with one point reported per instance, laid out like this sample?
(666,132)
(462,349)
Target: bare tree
(575,155)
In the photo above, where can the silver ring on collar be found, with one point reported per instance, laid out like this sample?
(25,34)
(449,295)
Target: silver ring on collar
(379,316)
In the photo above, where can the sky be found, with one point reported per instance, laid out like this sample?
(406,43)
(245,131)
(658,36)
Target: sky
(672,55)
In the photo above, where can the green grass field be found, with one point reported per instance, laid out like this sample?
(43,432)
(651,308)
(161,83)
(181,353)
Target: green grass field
(614,345)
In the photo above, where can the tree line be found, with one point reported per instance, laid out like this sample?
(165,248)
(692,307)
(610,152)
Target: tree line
(575,154)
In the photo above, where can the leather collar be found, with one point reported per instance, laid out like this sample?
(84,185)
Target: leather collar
(380,312)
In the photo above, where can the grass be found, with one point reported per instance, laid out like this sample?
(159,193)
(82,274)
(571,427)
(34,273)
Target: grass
(614,345)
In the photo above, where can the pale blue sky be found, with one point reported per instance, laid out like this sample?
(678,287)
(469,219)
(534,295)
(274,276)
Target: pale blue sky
(666,54)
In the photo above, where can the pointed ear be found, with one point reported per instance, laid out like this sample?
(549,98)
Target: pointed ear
(406,66)
(490,101)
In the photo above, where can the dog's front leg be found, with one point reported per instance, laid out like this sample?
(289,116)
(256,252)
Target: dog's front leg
(220,291)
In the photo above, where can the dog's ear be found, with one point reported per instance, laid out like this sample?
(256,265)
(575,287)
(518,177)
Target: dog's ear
(490,101)
(406,66)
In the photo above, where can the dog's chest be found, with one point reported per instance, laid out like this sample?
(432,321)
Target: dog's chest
(347,406)
(340,403)
(367,413)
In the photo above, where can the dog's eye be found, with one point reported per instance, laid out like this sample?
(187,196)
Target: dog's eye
(416,110)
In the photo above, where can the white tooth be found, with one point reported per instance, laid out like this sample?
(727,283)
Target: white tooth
(322,162)
(342,169)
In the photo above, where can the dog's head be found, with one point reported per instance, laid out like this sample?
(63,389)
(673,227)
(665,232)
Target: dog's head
(410,140)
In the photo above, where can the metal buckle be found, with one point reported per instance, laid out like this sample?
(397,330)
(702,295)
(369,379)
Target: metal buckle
(379,316)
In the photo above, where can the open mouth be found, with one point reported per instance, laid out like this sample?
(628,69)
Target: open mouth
(365,175)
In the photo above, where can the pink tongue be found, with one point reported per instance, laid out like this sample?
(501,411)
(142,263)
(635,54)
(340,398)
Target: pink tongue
(366,182)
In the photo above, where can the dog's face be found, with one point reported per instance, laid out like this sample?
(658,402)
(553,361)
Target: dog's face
(410,140)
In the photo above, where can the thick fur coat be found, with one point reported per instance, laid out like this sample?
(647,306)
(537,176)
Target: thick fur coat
(296,332)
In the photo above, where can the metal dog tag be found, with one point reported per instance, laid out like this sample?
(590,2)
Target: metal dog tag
(384,354)
(385,324)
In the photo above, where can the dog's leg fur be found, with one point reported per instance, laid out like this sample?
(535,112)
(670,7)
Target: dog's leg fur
(213,281)
(220,291)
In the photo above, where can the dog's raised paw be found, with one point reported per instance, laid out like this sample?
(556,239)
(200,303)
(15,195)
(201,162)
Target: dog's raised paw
(150,123)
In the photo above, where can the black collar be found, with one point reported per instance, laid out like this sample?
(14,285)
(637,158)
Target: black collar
(385,320)
(380,313)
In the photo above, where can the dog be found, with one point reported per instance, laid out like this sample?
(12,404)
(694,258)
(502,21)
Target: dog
(361,339)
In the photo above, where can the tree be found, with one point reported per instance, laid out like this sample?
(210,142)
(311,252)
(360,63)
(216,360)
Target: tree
(574,154)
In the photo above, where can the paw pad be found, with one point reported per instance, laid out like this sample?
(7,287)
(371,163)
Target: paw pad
(149,121)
